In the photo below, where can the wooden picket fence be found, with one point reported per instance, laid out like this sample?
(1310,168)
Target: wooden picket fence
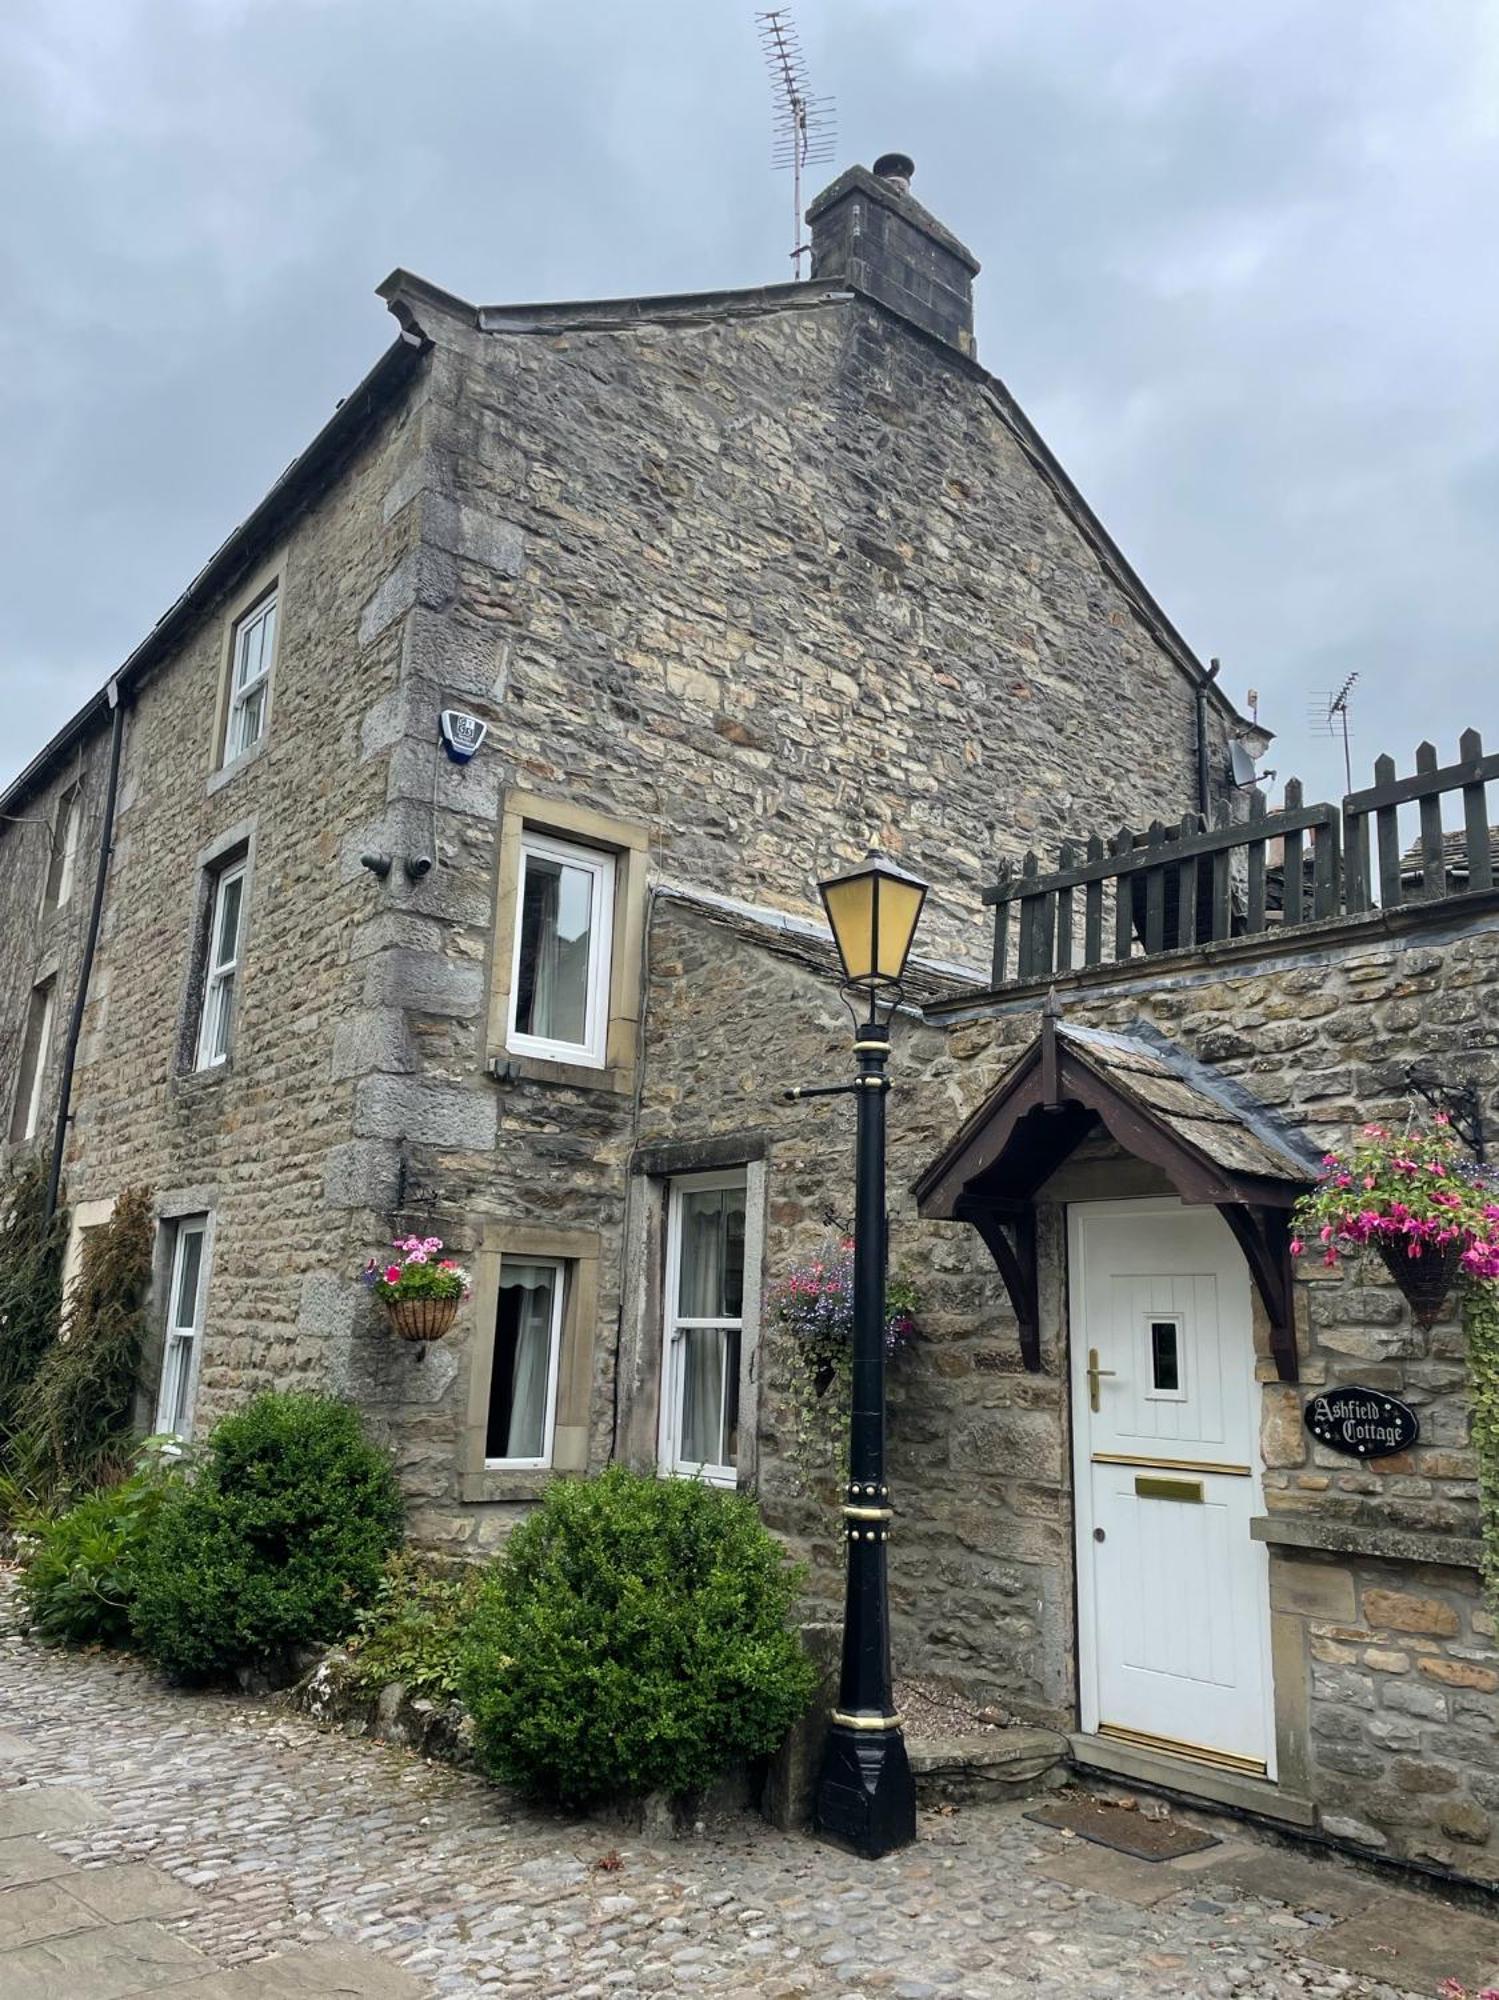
(1174,887)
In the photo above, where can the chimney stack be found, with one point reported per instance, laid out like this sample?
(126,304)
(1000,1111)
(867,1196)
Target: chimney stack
(867,228)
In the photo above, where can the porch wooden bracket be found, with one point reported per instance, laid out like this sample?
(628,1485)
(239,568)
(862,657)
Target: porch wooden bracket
(1264,1236)
(1008,1230)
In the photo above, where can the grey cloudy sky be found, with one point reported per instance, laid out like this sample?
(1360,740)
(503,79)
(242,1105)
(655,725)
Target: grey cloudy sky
(1239,266)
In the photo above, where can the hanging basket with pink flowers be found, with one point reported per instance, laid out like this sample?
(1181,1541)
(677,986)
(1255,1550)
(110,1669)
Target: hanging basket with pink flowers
(422,1292)
(1429,1212)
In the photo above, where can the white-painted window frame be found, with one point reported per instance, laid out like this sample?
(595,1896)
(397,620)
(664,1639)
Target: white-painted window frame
(34,1087)
(674,1325)
(182,1345)
(219,972)
(560,1275)
(591,1052)
(253,621)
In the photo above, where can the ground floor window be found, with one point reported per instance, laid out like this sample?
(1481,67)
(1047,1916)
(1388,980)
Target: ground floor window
(703,1324)
(523,1372)
(186,1293)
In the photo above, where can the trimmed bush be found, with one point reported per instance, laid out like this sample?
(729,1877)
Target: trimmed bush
(74,1414)
(78,1581)
(276,1543)
(632,1638)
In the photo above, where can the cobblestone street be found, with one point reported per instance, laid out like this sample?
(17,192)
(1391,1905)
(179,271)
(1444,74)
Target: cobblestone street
(218,1848)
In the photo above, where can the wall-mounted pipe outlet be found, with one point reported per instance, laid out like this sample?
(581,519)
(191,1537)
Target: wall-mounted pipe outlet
(377,864)
(417,865)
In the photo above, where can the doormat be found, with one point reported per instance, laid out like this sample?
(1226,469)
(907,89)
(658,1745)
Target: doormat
(1129,1832)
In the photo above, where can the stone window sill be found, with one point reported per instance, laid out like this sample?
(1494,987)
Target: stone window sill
(495,1484)
(508,1071)
(222,776)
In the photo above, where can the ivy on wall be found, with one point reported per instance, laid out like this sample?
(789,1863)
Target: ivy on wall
(75,1412)
(31,1258)
(1481,1326)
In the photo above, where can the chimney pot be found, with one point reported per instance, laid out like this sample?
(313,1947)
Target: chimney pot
(895,167)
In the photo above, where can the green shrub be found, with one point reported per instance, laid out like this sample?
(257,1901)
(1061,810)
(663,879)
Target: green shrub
(75,1411)
(633,1638)
(31,1256)
(78,1581)
(276,1543)
(415,1627)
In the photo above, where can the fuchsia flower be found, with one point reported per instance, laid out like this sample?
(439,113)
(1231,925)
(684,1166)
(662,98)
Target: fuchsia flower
(1411,1189)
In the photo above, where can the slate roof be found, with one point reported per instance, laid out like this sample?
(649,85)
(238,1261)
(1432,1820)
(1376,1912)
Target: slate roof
(1211,1112)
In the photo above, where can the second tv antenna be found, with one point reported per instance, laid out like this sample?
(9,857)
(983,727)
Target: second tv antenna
(805,126)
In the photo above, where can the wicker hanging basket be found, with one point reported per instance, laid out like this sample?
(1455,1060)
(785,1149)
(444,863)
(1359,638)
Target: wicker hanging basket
(421,1319)
(1426,1278)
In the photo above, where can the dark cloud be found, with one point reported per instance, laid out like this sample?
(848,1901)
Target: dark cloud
(1237,264)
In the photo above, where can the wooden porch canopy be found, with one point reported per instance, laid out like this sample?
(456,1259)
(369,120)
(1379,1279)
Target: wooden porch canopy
(1212,1140)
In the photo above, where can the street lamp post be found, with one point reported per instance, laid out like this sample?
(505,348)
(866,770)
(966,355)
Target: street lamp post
(866,1795)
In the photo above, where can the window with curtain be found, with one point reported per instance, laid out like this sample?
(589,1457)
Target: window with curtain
(185,1296)
(704,1325)
(523,1371)
(250,654)
(221,972)
(559,987)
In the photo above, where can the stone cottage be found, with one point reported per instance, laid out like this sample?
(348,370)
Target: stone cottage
(738,584)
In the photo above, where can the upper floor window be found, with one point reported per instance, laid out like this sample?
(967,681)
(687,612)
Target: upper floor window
(251,652)
(226,923)
(63,860)
(559,985)
(36,1044)
(703,1325)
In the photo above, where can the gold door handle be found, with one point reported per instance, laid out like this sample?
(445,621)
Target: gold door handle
(1094,1373)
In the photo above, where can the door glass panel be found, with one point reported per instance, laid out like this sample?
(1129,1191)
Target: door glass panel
(1165,1357)
(556,943)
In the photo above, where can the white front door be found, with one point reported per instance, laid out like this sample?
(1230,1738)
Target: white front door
(1173,1609)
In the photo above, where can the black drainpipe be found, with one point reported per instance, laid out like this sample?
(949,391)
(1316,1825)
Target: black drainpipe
(90,943)
(1204,788)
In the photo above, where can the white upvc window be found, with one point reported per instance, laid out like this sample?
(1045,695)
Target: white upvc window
(36,1046)
(523,1368)
(703,1326)
(185,1298)
(221,972)
(559,979)
(250,654)
(63,860)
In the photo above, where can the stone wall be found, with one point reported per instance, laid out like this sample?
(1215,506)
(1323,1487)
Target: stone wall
(776,584)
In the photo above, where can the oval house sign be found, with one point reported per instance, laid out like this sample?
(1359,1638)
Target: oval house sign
(1364,1423)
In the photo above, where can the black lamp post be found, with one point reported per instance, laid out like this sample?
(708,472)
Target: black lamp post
(866,1795)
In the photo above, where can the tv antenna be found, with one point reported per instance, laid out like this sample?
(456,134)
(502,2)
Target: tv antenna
(1329,715)
(806,127)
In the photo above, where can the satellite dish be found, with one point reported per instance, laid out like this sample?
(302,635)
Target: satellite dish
(1241,766)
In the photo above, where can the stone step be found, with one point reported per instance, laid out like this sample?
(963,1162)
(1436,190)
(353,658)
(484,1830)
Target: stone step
(986,1765)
